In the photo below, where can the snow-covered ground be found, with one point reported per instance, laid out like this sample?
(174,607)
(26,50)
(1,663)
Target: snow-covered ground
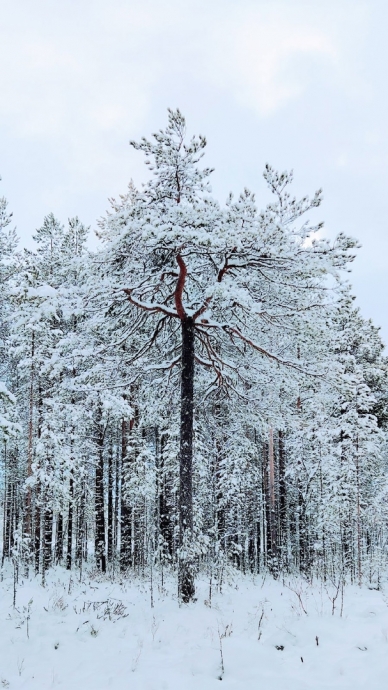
(96,635)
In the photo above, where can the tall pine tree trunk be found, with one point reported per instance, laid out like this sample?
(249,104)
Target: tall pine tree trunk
(186,566)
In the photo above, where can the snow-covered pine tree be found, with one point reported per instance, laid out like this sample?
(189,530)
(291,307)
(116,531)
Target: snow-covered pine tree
(9,426)
(200,392)
(210,285)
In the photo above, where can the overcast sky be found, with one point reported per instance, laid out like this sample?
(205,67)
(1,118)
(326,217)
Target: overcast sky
(300,84)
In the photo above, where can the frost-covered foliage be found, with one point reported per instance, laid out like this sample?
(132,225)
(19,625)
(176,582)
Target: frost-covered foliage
(283,461)
(8,244)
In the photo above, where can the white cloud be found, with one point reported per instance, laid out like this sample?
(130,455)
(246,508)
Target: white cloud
(260,63)
(92,67)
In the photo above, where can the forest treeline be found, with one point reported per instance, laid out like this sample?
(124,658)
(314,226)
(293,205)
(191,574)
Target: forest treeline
(199,393)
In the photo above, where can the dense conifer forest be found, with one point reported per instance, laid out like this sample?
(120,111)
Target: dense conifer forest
(197,395)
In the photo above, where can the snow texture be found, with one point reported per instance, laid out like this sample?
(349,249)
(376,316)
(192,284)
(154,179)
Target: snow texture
(275,635)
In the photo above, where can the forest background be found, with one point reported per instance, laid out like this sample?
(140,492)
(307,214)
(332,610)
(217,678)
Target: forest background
(200,393)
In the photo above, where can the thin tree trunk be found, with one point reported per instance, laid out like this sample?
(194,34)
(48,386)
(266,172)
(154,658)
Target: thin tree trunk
(164,512)
(186,567)
(220,510)
(110,504)
(125,511)
(28,503)
(70,524)
(100,512)
(80,528)
(59,539)
(14,515)
(47,538)
(358,517)
(37,531)
(272,507)
(7,516)
(116,516)
(267,506)
(282,501)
